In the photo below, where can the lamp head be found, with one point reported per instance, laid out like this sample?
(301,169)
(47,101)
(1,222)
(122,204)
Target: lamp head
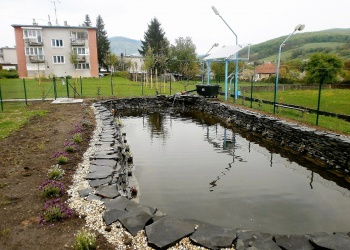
(299,27)
(215,10)
(215,45)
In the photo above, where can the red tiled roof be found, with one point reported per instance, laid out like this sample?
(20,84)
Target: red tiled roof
(266,68)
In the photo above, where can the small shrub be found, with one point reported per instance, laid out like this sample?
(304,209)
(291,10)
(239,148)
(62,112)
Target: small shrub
(51,188)
(55,172)
(85,240)
(55,210)
(77,138)
(69,146)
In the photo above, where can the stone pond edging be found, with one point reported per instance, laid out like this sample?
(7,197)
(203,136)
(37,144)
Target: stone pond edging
(109,178)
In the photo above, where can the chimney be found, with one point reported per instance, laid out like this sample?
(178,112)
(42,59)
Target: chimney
(35,23)
(65,23)
(49,23)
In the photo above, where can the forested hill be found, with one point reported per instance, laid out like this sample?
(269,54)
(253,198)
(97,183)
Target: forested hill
(302,45)
(124,45)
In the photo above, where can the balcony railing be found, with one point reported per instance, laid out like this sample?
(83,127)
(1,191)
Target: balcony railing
(34,42)
(77,42)
(81,58)
(37,59)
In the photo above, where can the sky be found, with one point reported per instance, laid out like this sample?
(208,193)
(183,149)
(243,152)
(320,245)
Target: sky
(250,21)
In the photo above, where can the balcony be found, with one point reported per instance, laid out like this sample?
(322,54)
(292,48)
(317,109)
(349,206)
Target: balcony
(77,42)
(81,59)
(33,42)
(37,59)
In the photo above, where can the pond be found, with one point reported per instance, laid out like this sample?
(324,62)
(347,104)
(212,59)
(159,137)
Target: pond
(188,165)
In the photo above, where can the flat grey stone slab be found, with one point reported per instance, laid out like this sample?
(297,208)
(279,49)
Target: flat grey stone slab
(213,237)
(98,172)
(113,215)
(105,157)
(168,231)
(108,192)
(67,100)
(93,197)
(104,163)
(293,242)
(261,241)
(135,222)
(332,241)
(99,182)
(135,208)
(120,203)
(85,192)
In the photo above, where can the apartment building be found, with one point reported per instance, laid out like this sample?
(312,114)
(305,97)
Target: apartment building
(8,58)
(46,50)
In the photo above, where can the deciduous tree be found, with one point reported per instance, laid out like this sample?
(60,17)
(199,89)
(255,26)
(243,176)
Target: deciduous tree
(323,68)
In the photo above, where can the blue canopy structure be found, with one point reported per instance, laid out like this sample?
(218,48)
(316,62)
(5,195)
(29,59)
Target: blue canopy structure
(227,54)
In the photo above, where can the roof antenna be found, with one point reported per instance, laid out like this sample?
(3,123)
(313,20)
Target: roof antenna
(54,3)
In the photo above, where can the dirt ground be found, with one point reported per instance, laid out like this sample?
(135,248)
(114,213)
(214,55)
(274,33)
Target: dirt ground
(25,157)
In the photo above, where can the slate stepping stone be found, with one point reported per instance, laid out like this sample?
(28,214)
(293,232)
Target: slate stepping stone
(108,192)
(135,208)
(213,237)
(99,182)
(332,241)
(168,231)
(92,197)
(113,215)
(101,173)
(118,203)
(135,222)
(261,241)
(85,192)
(293,242)
(104,163)
(105,157)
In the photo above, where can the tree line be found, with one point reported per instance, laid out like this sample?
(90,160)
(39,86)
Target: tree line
(181,58)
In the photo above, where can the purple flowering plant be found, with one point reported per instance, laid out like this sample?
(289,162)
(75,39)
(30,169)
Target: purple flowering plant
(52,188)
(61,157)
(55,211)
(69,146)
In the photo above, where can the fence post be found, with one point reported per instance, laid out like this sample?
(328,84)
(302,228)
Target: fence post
(2,107)
(319,100)
(81,87)
(25,91)
(54,88)
(170,84)
(251,93)
(67,86)
(112,83)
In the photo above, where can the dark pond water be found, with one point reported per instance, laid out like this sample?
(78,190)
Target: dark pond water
(190,166)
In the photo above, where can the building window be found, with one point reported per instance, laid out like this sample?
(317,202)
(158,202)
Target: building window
(82,66)
(80,51)
(58,59)
(32,35)
(57,43)
(34,51)
(80,35)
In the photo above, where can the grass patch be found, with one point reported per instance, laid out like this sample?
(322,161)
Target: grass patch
(14,116)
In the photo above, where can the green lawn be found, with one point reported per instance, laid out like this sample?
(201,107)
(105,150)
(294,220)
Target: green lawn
(14,116)
(332,100)
(86,88)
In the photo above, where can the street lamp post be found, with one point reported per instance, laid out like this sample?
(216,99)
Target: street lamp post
(214,45)
(236,73)
(299,27)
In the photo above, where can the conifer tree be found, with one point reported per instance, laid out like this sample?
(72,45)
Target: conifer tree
(103,44)
(87,21)
(154,39)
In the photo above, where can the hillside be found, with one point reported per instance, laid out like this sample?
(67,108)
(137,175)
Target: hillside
(298,46)
(124,45)
(302,45)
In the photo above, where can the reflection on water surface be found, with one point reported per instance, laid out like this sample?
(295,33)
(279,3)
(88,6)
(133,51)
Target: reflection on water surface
(190,166)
